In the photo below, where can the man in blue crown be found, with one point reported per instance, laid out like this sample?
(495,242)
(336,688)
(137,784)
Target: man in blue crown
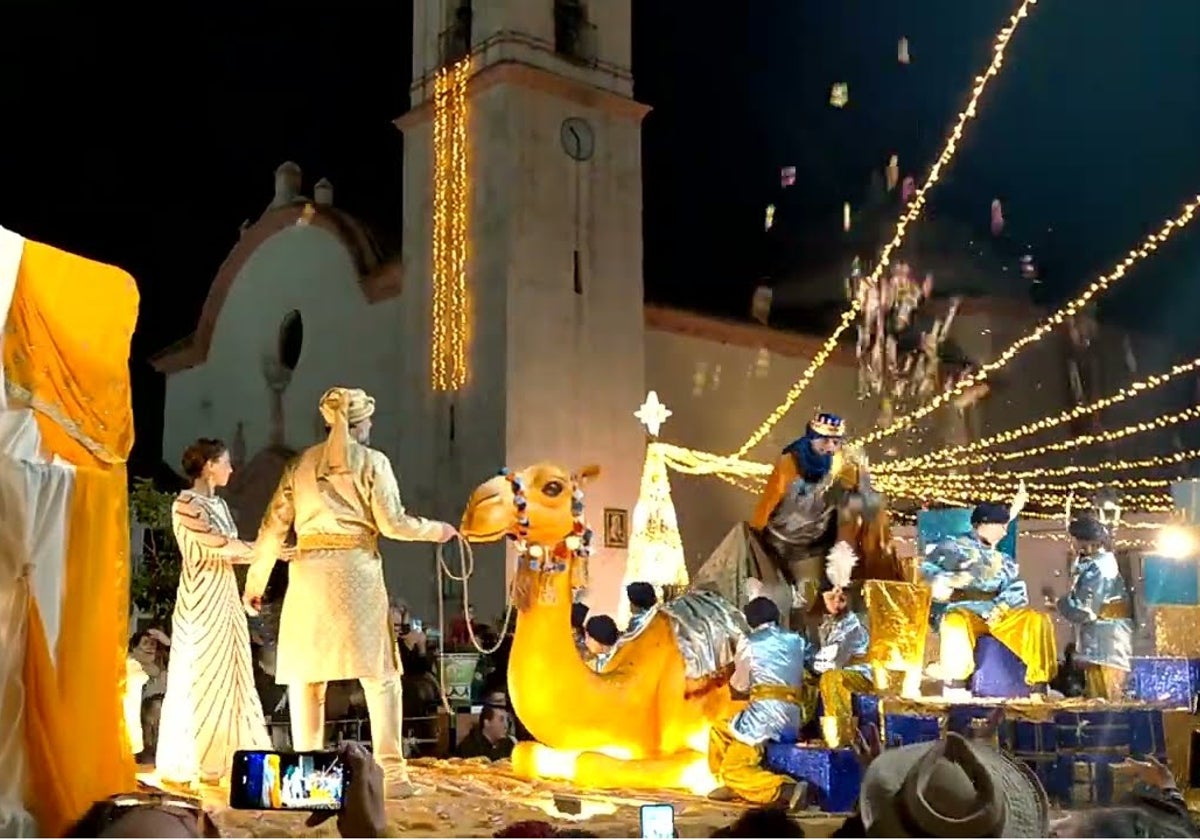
(978,591)
(797,513)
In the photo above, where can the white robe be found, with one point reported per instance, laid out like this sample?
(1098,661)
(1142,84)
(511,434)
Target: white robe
(335,623)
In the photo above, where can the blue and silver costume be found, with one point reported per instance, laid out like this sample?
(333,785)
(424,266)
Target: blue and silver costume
(1098,606)
(771,657)
(844,641)
(981,576)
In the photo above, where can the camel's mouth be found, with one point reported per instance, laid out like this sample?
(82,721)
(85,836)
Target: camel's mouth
(484,536)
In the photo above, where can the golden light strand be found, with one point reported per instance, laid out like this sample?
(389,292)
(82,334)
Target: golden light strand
(911,214)
(1163,422)
(451,199)
(438,350)
(990,487)
(1148,246)
(1073,469)
(1134,389)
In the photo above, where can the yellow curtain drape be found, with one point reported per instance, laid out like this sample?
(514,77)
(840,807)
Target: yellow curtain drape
(66,355)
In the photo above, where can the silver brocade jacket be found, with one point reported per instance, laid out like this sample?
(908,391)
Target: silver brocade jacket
(981,576)
(1098,606)
(844,641)
(803,514)
(770,655)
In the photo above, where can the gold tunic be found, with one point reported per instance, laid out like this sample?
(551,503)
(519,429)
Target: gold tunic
(335,623)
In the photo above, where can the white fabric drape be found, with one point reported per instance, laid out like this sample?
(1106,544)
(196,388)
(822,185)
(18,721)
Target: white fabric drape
(35,498)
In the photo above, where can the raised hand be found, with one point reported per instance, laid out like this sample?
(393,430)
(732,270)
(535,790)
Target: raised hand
(1019,501)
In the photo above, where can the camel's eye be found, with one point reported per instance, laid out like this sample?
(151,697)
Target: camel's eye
(553,488)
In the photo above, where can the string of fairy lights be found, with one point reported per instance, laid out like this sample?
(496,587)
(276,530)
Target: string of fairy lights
(917,477)
(450,316)
(1142,251)
(910,216)
(1045,423)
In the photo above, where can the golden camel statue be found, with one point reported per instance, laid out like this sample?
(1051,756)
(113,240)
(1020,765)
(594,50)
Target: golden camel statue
(641,723)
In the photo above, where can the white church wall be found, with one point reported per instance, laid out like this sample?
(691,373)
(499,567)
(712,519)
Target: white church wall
(346,341)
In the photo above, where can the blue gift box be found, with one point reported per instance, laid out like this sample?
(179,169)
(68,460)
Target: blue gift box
(1108,731)
(1033,737)
(834,774)
(901,729)
(1034,742)
(970,720)
(998,671)
(1186,496)
(1168,680)
(1169,581)
(1149,734)
(1083,779)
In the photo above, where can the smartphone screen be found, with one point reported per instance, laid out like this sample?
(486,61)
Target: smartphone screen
(658,820)
(287,781)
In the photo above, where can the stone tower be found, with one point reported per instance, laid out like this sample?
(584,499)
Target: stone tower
(554,256)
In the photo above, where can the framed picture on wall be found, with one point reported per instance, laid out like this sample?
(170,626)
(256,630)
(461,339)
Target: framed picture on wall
(616,528)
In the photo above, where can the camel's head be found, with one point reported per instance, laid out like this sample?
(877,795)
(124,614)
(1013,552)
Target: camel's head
(536,504)
(541,508)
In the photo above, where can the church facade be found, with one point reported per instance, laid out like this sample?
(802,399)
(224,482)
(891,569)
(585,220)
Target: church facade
(562,349)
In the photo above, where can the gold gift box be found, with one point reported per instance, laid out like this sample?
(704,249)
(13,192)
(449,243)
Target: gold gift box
(899,620)
(1176,631)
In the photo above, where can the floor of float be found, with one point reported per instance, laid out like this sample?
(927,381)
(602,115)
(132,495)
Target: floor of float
(472,798)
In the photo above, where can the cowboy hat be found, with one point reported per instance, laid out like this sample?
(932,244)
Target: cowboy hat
(952,788)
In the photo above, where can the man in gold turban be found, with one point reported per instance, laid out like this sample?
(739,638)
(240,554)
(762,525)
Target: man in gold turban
(340,496)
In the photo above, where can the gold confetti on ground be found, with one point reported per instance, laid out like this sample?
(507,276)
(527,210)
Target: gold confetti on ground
(471,798)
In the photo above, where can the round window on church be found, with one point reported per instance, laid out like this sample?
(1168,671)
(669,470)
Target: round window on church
(291,339)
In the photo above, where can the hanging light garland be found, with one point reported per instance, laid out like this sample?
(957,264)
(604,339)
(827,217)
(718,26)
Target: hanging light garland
(1141,252)
(955,453)
(911,214)
(451,323)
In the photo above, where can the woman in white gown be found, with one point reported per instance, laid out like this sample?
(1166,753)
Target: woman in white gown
(211,707)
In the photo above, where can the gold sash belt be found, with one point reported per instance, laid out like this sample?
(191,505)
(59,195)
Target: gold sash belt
(336,542)
(783,693)
(1114,610)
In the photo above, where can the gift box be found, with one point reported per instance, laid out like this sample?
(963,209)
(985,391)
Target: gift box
(1186,496)
(902,729)
(898,615)
(1109,731)
(1170,630)
(1084,779)
(974,722)
(1034,742)
(1169,581)
(1148,733)
(1033,737)
(998,671)
(834,774)
(1171,681)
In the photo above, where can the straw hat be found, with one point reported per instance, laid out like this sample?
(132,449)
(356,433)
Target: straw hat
(952,788)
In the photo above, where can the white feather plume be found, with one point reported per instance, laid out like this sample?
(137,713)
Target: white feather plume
(840,565)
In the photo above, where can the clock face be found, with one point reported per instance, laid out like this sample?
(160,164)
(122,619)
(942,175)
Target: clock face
(578,140)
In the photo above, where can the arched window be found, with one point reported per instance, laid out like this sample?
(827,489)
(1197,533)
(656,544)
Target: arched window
(291,339)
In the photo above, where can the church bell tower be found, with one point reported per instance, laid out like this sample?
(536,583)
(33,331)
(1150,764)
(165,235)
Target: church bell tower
(535,297)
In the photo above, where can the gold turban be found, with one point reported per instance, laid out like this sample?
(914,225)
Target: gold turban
(342,408)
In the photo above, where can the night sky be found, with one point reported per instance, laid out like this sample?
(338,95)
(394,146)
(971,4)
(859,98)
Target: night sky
(145,141)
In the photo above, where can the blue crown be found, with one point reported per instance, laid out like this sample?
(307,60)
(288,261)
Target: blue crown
(827,425)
